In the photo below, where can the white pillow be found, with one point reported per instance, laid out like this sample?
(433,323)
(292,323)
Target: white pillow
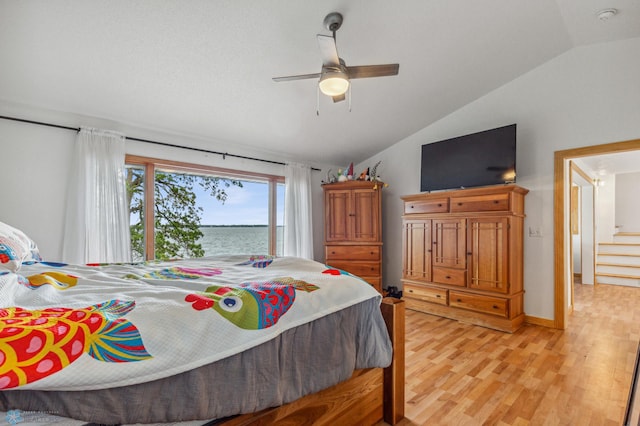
(16,248)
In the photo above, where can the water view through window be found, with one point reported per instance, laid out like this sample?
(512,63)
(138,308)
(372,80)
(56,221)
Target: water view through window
(241,224)
(197,215)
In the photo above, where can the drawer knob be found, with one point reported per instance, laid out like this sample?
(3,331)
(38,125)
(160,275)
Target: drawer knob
(448,277)
(412,206)
(495,307)
(410,291)
(438,296)
(459,204)
(458,300)
(495,201)
(440,205)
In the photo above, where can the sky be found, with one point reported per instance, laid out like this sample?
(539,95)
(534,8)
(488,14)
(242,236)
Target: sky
(248,205)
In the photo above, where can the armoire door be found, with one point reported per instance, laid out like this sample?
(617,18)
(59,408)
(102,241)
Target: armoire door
(417,250)
(449,243)
(488,254)
(364,214)
(337,219)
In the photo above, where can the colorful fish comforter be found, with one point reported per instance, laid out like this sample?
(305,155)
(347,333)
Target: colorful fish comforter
(68,327)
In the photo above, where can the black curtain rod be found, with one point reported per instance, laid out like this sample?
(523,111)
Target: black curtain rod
(223,154)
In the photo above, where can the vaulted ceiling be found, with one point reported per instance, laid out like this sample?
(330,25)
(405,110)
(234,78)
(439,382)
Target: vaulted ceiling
(204,68)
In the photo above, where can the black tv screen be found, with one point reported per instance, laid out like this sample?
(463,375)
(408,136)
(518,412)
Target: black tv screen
(478,159)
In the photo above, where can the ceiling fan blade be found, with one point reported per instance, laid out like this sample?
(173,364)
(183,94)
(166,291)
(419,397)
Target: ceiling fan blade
(328,50)
(296,77)
(366,71)
(338,98)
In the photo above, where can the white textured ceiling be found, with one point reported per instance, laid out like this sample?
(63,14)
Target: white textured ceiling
(612,164)
(203,68)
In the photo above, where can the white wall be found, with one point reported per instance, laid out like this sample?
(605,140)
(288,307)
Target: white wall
(628,202)
(35,162)
(576,239)
(35,173)
(587,96)
(587,249)
(605,209)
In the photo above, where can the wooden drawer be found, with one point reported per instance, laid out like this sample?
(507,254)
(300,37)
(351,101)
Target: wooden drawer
(427,206)
(480,203)
(450,276)
(428,294)
(352,252)
(475,302)
(376,282)
(361,269)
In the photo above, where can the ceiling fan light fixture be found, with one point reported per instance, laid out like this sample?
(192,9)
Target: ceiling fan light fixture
(334,76)
(333,82)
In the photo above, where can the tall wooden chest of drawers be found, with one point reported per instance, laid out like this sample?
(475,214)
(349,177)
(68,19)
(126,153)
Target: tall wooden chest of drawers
(353,228)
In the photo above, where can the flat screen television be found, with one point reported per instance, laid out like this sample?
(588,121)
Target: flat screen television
(478,159)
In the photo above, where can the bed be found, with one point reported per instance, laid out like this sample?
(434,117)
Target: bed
(222,340)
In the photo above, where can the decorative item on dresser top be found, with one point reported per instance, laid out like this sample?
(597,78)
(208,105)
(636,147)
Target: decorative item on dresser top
(463,255)
(353,228)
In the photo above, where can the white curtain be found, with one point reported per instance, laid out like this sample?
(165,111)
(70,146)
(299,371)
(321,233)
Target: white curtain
(97,217)
(298,224)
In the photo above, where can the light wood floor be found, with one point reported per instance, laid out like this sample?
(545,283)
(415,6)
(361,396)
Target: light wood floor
(459,374)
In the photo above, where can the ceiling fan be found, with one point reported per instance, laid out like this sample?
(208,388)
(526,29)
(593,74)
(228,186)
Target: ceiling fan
(335,74)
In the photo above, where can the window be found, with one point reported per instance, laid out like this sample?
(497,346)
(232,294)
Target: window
(135,191)
(186,210)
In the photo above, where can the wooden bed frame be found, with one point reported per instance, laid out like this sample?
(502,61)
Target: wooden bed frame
(368,397)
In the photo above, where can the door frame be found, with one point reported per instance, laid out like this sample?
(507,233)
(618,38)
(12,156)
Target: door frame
(560,194)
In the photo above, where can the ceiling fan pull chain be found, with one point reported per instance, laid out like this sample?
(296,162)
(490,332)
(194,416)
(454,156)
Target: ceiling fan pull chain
(349,98)
(317,100)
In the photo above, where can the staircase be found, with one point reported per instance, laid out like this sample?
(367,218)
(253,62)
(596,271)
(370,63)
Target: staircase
(619,262)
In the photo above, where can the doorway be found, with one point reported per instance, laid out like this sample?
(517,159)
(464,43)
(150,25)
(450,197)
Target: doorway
(562,255)
(582,229)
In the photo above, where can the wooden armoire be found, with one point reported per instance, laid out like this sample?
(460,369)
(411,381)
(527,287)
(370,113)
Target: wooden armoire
(463,255)
(353,228)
